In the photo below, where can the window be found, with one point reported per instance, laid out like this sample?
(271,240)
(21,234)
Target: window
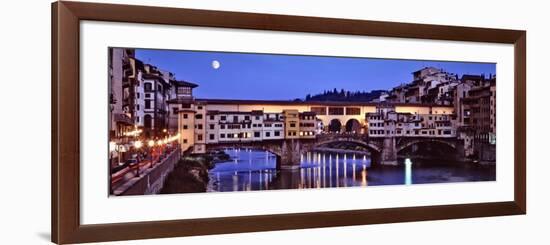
(137,107)
(223,118)
(137,95)
(211,117)
(185,141)
(246,117)
(277,133)
(199,137)
(336,111)
(148,87)
(147,95)
(353,111)
(211,126)
(222,136)
(185,116)
(174,109)
(147,104)
(319,110)
(234,126)
(211,136)
(257,117)
(199,126)
(292,125)
(184,90)
(198,116)
(137,119)
(199,107)
(235,118)
(185,127)
(267,134)
(256,134)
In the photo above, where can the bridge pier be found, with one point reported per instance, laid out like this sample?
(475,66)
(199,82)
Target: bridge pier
(289,157)
(388,155)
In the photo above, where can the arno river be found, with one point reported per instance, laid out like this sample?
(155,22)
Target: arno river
(255,170)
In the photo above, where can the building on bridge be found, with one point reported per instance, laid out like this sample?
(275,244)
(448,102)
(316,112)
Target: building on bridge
(387,122)
(200,126)
(292,123)
(234,126)
(204,122)
(308,125)
(273,126)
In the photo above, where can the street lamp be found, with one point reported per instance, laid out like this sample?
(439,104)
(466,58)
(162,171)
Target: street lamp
(151,144)
(165,136)
(112,149)
(137,144)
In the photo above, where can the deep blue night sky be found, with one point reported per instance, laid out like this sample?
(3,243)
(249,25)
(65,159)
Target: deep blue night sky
(286,77)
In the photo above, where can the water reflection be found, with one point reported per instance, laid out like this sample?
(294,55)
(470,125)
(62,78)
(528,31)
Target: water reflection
(408,171)
(256,170)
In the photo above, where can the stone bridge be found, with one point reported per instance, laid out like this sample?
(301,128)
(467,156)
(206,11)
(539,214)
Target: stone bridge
(383,150)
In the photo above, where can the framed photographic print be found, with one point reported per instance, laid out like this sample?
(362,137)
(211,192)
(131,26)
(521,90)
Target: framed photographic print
(176,122)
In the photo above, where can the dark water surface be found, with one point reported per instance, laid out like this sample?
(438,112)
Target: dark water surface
(255,170)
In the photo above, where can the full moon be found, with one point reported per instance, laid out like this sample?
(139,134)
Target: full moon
(215,64)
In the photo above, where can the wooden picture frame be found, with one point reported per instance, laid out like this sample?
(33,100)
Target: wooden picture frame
(65,176)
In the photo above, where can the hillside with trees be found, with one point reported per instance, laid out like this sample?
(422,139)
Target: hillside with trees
(343,95)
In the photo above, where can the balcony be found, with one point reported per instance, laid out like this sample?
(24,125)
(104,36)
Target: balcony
(122,118)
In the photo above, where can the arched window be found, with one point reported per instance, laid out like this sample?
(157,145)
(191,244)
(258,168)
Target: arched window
(353,125)
(335,125)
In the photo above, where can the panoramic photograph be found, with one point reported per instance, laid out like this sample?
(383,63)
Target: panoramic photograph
(202,121)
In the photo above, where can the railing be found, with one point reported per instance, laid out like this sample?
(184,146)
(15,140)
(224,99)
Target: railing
(130,180)
(331,136)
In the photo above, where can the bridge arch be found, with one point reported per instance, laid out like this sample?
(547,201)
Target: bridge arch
(404,145)
(335,125)
(372,147)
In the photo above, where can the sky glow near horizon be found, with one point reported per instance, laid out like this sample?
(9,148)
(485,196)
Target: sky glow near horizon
(287,77)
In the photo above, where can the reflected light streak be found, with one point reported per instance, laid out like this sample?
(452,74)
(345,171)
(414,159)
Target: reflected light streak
(408,171)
